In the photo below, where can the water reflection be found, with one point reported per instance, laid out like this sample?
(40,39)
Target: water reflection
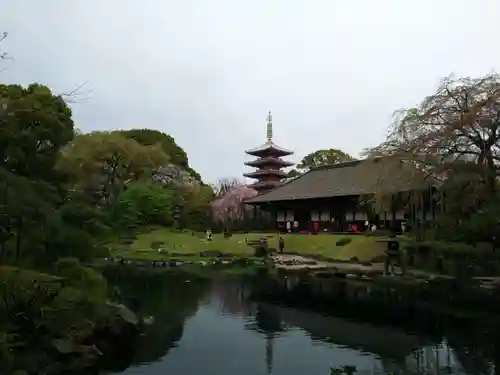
(204,327)
(169,301)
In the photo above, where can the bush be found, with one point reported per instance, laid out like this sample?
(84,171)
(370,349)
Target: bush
(81,277)
(439,247)
(155,245)
(447,257)
(143,204)
(343,241)
(55,315)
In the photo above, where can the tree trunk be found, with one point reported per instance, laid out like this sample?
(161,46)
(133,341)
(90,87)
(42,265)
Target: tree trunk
(2,251)
(18,245)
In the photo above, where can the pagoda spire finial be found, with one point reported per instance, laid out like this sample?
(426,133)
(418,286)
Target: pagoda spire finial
(269,127)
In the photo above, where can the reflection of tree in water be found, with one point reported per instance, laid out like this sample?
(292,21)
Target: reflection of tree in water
(473,349)
(461,352)
(447,351)
(169,299)
(232,296)
(430,359)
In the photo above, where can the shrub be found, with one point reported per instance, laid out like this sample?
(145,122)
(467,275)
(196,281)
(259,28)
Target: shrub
(445,248)
(57,318)
(155,245)
(439,247)
(81,277)
(261,251)
(343,241)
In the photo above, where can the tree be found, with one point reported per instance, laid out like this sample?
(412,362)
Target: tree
(149,137)
(174,175)
(225,185)
(144,204)
(324,157)
(231,206)
(457,127)
(25,209)
(34,126)
(453,136)
(3,35)
(197,208)
(293,173)
(103,163)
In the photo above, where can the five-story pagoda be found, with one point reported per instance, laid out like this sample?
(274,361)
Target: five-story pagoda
(269,164)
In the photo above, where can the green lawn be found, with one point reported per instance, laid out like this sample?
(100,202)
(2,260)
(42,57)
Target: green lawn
(362,247)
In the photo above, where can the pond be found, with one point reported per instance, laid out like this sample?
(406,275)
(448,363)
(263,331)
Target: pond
(213,327)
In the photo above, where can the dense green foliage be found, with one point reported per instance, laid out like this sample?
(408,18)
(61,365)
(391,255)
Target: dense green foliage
(101,164)
(35,125)
(144,204)
(63,196)
(321,158)
(149,137)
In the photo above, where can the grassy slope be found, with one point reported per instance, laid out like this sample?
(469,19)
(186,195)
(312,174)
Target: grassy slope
(364,248)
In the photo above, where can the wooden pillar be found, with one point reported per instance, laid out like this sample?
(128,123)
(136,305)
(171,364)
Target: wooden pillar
(393,210)
(255,219)
(432,207)
(413,215)
(441,198)
(421,204)
(274,216)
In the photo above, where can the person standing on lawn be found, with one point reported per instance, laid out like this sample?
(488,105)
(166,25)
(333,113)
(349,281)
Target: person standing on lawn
(281,244)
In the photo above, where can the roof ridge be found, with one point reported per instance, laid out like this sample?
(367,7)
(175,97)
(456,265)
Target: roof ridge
(337,165)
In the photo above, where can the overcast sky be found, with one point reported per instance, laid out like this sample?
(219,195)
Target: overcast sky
(207,71)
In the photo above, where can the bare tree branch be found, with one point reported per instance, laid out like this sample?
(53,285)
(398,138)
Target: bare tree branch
(4,55)
(224,185)
(456,127)
(77,95)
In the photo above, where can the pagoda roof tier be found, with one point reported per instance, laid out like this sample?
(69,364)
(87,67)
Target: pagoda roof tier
(269,161)
(260,185)
(269,148)
(265,172)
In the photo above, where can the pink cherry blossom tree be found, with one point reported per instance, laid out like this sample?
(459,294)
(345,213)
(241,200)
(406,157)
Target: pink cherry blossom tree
(231,206)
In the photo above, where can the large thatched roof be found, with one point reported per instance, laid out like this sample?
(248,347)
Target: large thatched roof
(360,177)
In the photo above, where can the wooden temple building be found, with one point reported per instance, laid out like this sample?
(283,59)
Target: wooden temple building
(269,163)
(335,196)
